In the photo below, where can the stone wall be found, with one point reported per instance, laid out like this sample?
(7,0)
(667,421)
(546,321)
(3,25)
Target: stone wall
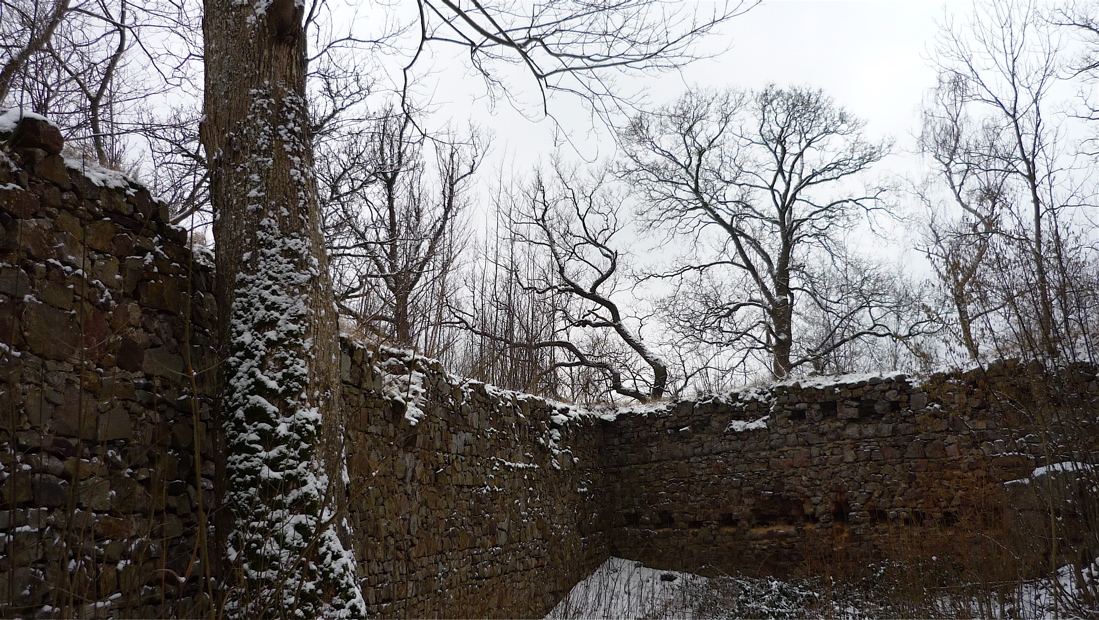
(466,500)
(814,475)
(490,504)
(104,465)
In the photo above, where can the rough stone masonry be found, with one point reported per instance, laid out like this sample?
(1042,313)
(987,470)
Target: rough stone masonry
(467,501)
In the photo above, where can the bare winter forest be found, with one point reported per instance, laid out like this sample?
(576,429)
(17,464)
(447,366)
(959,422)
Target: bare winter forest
(724,237)
(748,197)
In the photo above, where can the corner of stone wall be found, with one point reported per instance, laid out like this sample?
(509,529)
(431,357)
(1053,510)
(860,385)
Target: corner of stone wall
(468,500)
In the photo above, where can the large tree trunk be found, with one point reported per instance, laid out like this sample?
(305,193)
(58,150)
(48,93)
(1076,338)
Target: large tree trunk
(280,406)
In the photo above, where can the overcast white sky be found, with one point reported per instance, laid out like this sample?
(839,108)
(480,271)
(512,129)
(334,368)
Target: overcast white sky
(871,56)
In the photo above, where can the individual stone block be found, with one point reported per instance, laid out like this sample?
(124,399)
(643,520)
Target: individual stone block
(36,133)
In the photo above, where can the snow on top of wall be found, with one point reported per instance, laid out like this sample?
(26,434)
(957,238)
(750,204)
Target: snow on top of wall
(100,175)
(403,374)
(10,117)
(1073,466)
(825,381)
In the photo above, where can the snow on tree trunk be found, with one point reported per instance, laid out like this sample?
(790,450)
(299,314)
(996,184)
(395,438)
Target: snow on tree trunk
(279,407)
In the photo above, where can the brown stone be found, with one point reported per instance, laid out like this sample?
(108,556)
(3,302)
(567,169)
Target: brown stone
(52,168)
(57,295)
(159,362)
(915,450)
(935,449)
(116,528)
(99,235)
(122,244)
(132,269)
(36,238)
(130,355)
(161,294)
(18,202)
(50,332)
(35,133)
(115,424)
(22,549)
(16,490)
(106,271)
(97,333)
(67,222)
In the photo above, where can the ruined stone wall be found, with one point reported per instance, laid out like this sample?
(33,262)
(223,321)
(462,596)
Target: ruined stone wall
(104,466)
(490,505)
(468,500)
(803,477)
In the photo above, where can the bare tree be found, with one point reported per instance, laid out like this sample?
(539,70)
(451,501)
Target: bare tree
(393,199)
(959,248)
(573,223)
(760,185)
(27,26)
(1002,249)
(495,308)
(572,48)
(1002,66)
(281,387)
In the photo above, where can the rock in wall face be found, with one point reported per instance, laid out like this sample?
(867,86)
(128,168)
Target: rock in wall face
(106,457)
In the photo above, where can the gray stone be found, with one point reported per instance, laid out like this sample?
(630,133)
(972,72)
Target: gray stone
(24,587)
(14,282)
(917,401)
(50,491)
(115,424)
(159,362)
(45,463)
(94,494)
(75,416)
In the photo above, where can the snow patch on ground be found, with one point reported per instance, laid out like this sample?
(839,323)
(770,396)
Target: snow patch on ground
(626,589)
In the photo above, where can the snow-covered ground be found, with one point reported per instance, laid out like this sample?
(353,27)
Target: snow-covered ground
(625,589)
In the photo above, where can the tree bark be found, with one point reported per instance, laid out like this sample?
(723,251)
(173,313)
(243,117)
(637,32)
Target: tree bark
(280,382)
